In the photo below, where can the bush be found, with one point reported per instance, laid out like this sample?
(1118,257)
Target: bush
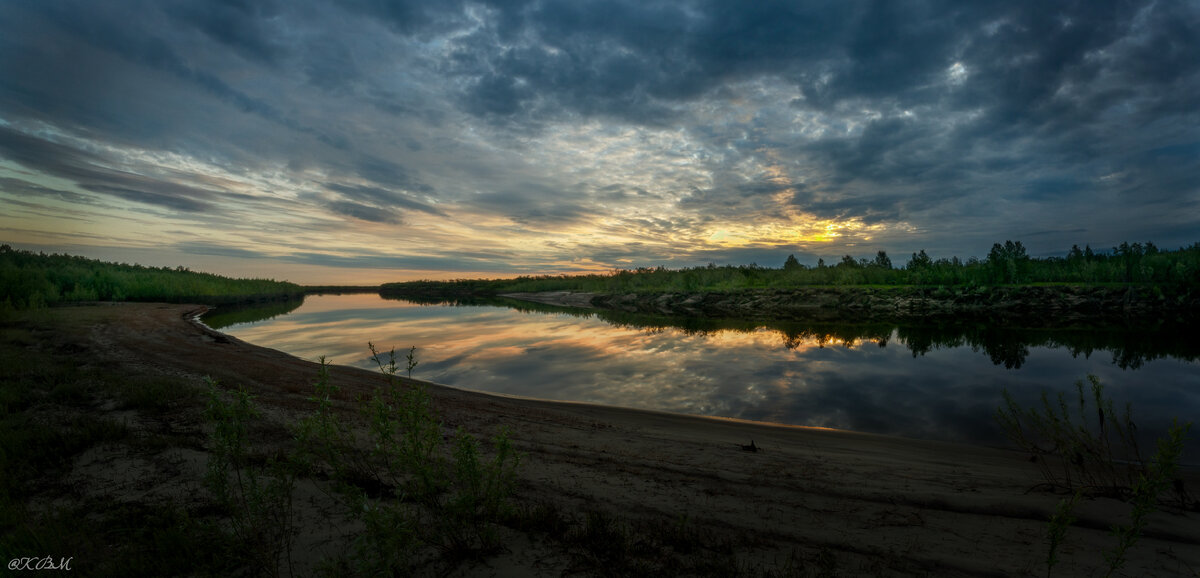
(259,499)
(1091,450)
(1096,457)
(447,496)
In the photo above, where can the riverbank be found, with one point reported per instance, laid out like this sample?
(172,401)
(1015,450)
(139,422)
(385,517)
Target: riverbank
(1042,305)
(671,487)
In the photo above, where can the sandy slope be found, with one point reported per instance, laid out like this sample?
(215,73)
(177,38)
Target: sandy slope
(874,505)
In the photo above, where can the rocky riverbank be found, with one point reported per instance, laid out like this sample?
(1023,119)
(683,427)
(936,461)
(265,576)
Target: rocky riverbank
(1055,304)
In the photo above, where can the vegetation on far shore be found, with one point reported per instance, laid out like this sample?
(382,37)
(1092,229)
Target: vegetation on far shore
(31,280)
(1006,264)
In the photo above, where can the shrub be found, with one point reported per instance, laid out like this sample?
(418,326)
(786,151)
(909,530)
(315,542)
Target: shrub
(259,499)
(1094,457)
(1092,450)
(402,459)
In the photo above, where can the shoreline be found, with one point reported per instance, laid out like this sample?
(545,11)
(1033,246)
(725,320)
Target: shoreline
(874,504)
(1033,305)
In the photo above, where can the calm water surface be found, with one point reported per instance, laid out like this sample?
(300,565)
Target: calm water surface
(940,383)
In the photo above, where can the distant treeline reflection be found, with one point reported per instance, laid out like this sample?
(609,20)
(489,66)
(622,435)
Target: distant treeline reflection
(227,315)
(1008,345)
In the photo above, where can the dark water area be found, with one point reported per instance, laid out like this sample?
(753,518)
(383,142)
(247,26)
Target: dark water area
(924,381)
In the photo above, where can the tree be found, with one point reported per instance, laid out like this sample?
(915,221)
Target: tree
(920,261)
(882,260)
(1008,261)
(792,264)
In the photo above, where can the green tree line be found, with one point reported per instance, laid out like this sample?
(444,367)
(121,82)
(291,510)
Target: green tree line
(31,280)
(1007,263)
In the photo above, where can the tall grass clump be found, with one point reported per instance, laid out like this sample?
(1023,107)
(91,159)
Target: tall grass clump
(259,498)
(411,487)
(406,431)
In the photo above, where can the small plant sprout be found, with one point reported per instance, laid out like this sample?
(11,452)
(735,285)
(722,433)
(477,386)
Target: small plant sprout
(412,360)
(1056,532)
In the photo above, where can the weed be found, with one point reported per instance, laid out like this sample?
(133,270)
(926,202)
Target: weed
(1090,449)
(1057,529)
(412,360)
(406,431)
(480,493)
(259,499)
(326,442)
(1146,492)
(389,540)
(1077,454)
(463,493)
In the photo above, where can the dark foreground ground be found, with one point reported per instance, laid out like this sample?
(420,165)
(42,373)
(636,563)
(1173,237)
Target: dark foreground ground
(106,446)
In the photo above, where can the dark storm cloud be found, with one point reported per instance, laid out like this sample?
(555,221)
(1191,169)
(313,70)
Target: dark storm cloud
(1069,87)
(388,173)
(628,60)
(436,261)
(955,120)
(442,261)
(242,25)
(148,43)
(414,17)
(199,248)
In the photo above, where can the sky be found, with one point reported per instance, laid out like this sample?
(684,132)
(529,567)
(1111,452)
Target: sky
(364,141)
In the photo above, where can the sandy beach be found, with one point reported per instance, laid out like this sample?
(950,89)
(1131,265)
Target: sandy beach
(835,502)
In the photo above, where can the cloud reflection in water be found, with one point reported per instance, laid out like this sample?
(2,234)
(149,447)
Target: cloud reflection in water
(903,381)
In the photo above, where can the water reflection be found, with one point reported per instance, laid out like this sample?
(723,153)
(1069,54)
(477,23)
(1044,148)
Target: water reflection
(935,381)
(227,315)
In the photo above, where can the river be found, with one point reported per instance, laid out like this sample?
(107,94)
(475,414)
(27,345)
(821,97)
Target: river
(934,382)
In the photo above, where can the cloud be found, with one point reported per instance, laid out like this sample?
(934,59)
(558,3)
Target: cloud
(363,212)
(626,127)
(202,248)
(380,200)
(242,26)
(89,172)
(26,189)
